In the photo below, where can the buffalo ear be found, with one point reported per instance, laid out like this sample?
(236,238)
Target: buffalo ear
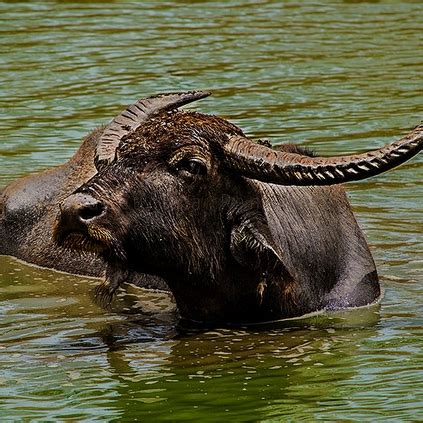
(251,244)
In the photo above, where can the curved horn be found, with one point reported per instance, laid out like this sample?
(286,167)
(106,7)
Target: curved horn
(283,168)
(134,116)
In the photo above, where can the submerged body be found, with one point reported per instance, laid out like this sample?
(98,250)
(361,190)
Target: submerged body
(29,207)
(240,232)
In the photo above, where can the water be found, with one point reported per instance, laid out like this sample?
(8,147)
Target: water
(338,78)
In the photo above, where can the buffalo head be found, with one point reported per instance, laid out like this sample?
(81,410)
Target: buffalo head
(176,196)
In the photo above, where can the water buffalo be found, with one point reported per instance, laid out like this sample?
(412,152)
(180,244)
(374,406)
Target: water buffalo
(29,206)
(239,231)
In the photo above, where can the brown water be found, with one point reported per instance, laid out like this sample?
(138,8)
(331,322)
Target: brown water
(338,78)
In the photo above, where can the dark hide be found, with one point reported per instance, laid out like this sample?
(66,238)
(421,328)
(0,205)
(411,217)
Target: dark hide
(28,209)
(230,248)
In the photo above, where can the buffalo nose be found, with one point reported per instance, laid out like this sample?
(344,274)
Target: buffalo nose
(79,209)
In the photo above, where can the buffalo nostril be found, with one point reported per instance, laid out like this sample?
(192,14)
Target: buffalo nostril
(78,210)
(90,211)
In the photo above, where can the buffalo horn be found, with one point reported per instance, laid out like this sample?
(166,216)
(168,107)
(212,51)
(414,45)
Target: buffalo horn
(264,164)
(134,116)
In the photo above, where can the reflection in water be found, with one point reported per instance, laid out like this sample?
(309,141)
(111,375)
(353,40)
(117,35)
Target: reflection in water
(225,370)
(127,364)
(338,78)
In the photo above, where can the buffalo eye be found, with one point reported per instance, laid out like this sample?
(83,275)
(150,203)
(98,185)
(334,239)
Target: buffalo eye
(192,166)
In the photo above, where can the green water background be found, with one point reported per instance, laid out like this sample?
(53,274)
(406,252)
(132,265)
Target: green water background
(335,76)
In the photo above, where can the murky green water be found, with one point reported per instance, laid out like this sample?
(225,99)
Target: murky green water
(339,78)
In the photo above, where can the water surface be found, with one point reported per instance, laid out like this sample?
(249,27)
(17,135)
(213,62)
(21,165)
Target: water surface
(337,78)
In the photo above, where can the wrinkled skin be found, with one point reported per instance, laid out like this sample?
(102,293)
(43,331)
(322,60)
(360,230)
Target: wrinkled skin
(28,210)
(230,248)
